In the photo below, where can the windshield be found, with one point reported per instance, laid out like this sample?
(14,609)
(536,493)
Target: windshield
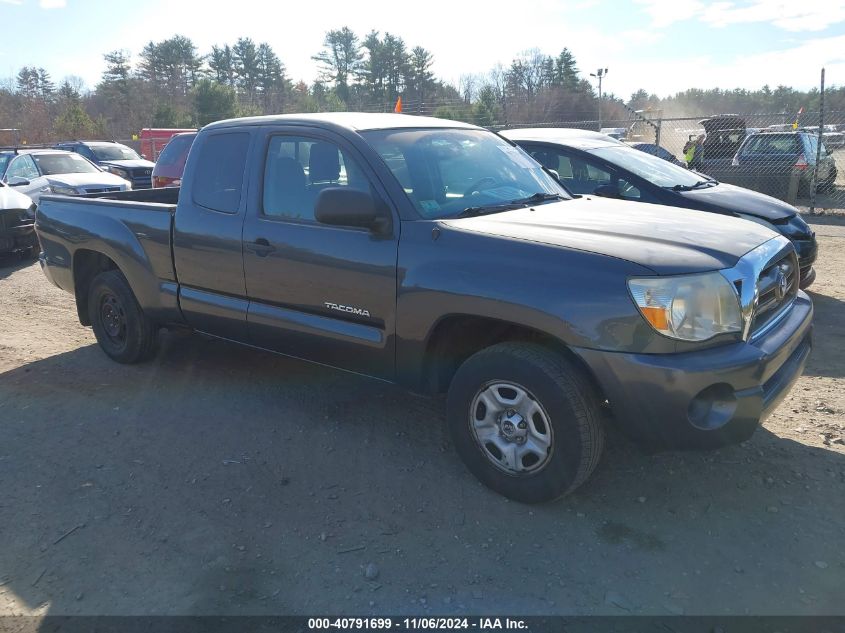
(651,168)
(446,172)
(51,164)
(114,152)
(4,160)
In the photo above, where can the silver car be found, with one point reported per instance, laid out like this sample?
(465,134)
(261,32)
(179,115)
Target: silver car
(36,172)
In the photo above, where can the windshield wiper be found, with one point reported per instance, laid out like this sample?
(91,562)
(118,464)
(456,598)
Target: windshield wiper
(698,185)
(471,212)
(539,197)
(519,203)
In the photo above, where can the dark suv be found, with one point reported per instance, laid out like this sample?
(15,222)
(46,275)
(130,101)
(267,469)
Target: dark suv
(786,154)
(116,158)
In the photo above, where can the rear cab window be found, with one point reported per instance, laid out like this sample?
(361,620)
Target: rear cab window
(219,176)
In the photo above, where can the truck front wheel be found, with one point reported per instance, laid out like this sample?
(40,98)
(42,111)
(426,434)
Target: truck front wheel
(525,421)
(122,329)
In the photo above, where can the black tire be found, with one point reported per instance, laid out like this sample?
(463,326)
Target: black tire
(122,329)
(567,397)
(828,185)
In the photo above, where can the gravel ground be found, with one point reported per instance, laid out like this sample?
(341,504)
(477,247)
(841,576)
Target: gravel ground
(220,480)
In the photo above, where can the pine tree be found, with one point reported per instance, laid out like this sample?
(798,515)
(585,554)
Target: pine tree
(221,61)
(340,59)
(245,56)
(271,79)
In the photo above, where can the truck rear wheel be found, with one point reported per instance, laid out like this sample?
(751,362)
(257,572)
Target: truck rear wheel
(525,421)
(122,329)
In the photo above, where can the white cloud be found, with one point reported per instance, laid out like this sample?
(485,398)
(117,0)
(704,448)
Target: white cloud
(808,15)
(52,4)
(793,15)
(583,5)
(798,66)
(11,1)
(465,43)
(666,12)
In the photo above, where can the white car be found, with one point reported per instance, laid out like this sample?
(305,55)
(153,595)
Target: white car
(37,172)
(17,224)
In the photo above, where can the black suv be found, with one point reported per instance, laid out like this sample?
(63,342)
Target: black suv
(119,159)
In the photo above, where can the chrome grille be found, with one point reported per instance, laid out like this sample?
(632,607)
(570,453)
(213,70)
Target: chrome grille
(101,189)
(777,286)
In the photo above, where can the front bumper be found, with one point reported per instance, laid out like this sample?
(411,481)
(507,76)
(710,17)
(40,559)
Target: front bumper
(807,251)
(19,240)
(708,398)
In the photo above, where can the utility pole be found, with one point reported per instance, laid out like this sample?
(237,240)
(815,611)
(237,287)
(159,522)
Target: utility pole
(599,74)
(814,183)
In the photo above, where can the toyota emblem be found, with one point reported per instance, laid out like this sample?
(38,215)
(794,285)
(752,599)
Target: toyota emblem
(782,285)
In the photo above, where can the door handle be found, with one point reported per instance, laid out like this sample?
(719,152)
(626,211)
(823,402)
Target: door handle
(260,247)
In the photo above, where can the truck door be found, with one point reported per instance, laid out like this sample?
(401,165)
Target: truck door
(207,235)
(319,292)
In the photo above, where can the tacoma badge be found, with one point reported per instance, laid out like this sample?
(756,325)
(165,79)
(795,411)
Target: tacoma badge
(349,309)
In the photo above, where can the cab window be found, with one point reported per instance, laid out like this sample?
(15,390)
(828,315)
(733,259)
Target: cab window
(298,168)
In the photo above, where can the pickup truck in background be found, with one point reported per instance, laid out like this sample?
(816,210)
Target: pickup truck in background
(442,257)
(115,158)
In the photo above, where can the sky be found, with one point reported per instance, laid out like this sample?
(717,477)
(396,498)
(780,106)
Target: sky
(662,46)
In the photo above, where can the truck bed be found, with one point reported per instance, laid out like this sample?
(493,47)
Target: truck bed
(133,229)
(165,195)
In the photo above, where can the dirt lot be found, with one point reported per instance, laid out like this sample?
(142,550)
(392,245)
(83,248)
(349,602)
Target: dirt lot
(222,480)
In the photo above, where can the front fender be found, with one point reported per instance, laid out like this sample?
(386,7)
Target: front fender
(576,297)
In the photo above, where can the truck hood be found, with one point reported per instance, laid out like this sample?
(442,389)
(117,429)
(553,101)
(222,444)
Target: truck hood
(134,163)
(667,240)
(11,199)
(724,197)
(99,179)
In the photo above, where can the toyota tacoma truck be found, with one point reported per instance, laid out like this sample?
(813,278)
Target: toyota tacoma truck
(441,257)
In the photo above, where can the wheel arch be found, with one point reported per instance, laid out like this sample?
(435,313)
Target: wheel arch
(87,264)
(456,337)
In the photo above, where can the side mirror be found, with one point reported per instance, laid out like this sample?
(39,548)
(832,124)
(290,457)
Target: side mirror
(344,206)
(17,181)
(607,191)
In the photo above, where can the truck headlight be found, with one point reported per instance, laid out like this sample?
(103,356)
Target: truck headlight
(688,307)
(117,171)
(64,190)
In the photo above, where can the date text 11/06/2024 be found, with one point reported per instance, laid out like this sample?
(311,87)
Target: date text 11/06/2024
(436,624)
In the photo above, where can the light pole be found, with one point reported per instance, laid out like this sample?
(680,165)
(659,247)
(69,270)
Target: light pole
(599,74)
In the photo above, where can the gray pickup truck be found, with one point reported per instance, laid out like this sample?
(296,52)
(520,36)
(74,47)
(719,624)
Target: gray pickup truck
(440,256)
